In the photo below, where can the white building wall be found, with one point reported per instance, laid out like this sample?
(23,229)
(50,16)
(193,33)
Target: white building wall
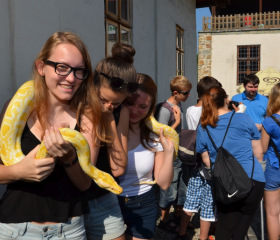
(224,54)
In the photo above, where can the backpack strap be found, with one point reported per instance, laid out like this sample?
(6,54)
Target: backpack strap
(228,127)
(224,135)
(166,105)
(170,109)
(271,141)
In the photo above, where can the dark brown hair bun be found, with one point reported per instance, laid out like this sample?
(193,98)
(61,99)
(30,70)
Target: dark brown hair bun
(123,51)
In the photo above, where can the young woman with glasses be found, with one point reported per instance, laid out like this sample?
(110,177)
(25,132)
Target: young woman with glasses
(114,80)
(43,197)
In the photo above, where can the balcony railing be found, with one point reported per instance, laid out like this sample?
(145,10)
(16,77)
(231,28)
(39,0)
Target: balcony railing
(252,21)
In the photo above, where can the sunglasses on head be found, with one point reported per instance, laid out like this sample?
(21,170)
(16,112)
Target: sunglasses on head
(185,93)
(118,83)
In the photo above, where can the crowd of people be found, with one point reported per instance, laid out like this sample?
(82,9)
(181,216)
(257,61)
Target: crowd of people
(53,198)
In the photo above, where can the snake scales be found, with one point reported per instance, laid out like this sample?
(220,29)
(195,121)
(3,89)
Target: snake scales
(15,119)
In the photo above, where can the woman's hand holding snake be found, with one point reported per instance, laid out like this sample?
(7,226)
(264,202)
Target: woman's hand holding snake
(57,147)
(32,169)
(166,143)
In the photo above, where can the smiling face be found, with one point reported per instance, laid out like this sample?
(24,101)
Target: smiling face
(110,99)
(139,106)
(62,88)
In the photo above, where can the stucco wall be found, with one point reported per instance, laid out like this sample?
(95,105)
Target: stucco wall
(224,54)
(26,25)
(156,44)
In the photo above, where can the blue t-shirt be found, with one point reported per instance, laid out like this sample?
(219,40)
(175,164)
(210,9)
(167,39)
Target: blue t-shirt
(238,141)
(255,108)
(273,130)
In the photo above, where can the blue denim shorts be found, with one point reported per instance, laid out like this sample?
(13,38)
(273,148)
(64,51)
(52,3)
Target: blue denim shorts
(140,214)
(73,229)
(176,193)
(105,221)
(272,177)
(199,197)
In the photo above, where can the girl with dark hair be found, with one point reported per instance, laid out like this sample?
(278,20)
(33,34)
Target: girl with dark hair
(270,137)
(242,141)
(43,197)
(114,80)
(147,158)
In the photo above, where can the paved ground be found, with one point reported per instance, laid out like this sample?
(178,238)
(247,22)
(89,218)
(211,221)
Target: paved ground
(254,233)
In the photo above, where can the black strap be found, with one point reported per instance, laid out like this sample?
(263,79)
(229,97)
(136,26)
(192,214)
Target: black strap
(253,167)
(225,133)
(271,141)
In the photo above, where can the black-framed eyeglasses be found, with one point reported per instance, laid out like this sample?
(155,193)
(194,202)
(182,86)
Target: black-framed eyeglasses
(63,69)
(118,83)
(185,93)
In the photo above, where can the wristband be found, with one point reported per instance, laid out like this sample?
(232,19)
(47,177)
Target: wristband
(67,165)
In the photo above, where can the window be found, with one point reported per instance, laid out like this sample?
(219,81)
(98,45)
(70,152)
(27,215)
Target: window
(179,50)
(248,61)
(118,23)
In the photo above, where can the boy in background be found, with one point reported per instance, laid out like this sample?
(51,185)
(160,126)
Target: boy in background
(171,114)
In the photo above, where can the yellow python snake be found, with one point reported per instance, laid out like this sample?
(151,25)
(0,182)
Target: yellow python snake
(169,132)
(15,119)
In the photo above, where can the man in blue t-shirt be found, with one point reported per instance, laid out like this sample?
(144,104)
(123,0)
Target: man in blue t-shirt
(255,103)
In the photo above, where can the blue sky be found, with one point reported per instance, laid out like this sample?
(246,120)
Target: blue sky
(200,13)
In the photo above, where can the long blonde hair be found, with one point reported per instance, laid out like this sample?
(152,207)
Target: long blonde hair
(84,102)
(273,105)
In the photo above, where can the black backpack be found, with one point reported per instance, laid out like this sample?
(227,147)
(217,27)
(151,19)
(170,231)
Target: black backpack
(231,182)
(187,146)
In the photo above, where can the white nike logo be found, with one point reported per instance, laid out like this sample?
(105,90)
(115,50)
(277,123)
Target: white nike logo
(231,195)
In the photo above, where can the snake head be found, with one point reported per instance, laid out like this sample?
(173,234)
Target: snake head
(106,181)
(169,132)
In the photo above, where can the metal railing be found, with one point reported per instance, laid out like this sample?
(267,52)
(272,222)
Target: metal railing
(267,20)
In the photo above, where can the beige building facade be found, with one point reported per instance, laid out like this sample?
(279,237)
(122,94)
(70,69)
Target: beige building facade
(218,53)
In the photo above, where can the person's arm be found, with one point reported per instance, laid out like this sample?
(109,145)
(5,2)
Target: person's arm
(117,149)
(264,140)
(163,169)
(206,159)
(259,126)
(29,168)
(177,116)
(257,150)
